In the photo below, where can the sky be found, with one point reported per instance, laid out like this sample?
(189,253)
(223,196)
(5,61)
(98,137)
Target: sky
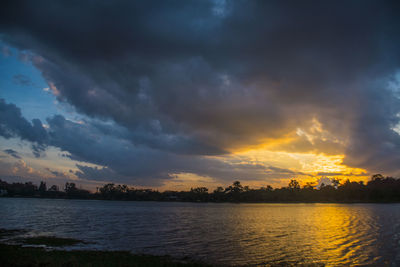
(176,94)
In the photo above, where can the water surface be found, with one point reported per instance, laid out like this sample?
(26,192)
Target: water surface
(220,233)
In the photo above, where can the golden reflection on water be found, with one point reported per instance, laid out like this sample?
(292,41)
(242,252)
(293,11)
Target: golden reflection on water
(328,234)
(341,237)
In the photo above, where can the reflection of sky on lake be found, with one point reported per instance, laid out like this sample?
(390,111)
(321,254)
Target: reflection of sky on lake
(331,234)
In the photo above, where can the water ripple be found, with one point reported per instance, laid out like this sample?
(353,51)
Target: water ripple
(228,234)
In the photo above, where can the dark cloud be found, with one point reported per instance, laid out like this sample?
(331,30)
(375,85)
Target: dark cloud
(100,174)
(13,124)
(184,79)
(57,173)
(12,153)
(124,161)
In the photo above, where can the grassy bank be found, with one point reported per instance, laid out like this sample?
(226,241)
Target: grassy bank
(21,255)
(16,255)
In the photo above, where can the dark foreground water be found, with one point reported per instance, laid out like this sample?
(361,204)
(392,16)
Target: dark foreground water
(232,234)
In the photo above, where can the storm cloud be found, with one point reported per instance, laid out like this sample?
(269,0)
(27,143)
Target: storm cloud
(182,81)
(12,153)
(13,124)
(110,146)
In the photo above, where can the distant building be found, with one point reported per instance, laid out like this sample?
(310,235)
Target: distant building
(3,192)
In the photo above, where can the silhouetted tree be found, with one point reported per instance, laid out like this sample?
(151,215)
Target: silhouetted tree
(199,190)
(218,194)
(335,182)
(70,187)
(294,185)
(199,194)
(54,188)
(309,185)
(73,192)
(219,189)
(42,187)
(234,191)
(378,189)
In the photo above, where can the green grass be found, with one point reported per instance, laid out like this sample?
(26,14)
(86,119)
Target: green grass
(20,255)
(15,255)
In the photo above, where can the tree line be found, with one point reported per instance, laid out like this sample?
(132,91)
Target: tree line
(378,189)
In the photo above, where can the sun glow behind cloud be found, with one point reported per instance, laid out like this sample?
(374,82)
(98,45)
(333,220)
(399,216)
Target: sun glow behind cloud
(311,165)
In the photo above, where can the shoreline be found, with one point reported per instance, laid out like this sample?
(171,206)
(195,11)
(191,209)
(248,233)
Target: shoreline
(18,255)
(17,250)
(216,202)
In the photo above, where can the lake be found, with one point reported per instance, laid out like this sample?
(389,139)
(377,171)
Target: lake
(220,233)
